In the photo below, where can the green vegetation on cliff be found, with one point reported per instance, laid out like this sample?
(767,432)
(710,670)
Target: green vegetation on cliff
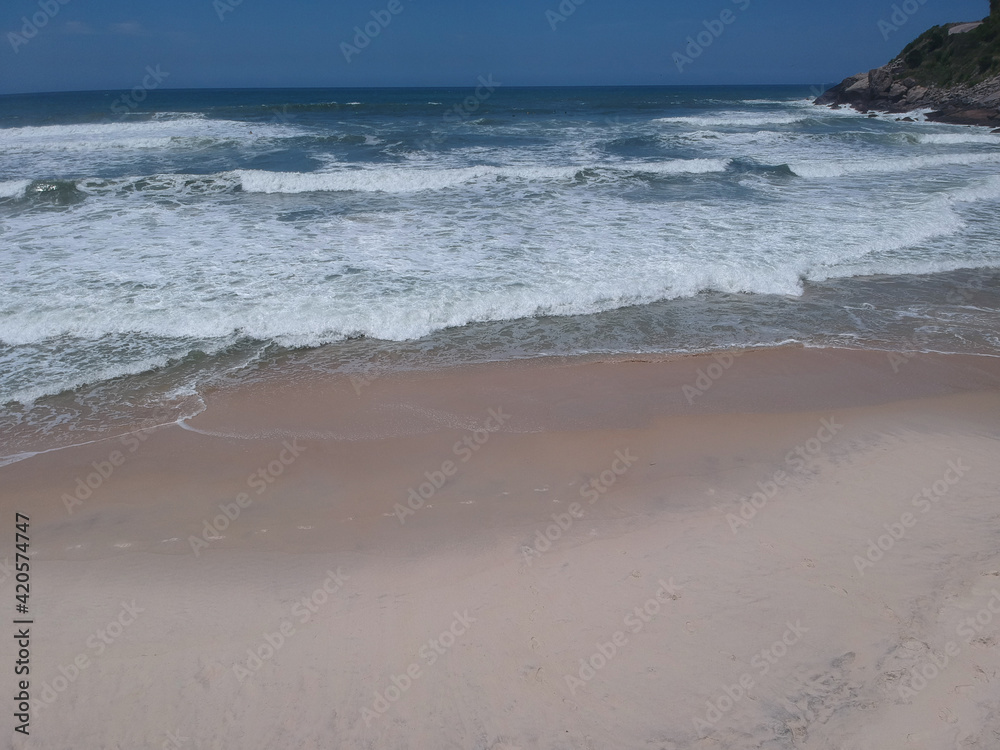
(955,77)
(942,59)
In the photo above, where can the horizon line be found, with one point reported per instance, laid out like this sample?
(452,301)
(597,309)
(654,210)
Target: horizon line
(417,88)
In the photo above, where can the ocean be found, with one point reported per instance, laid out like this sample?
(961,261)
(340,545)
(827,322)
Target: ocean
(150,251)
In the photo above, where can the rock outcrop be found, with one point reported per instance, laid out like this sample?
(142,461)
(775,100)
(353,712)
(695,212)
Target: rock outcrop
(952,70)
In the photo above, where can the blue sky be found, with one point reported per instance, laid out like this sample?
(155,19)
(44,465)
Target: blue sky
(108,44)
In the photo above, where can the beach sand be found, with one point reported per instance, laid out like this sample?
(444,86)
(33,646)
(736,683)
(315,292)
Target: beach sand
(781,549)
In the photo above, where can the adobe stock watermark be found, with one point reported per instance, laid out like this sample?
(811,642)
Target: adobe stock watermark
(174,741)
(104,469)
(96,644)
(714,28)
(634,623)
(360,382)
(132,99)
(363,36)
(969,627)
(428,655)
(224,7)
(464,450)
(816,689)
(552,533)
(302,611)
(471,104)
(708,376)
(599,485)
(924,500)
(562,12)
(465,109)
(259,481)
(898,359)
(591,491)
(281,116)
(901,14)
(47,10)
(799,459)
(762,661)
(817,91)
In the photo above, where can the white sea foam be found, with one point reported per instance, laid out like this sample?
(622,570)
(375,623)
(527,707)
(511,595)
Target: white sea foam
(743,119)
(389,180)
(950,139)
(810,103)
(899,267)
(177,132)
(988,190)
(371,179)
(178,116)
(167,185)
(682,166)
(13,188)
(731,139)
(157,262)
(210,272)
(402,180)
(887,165)
(71,380)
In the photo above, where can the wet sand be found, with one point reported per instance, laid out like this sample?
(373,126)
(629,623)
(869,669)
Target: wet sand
(781,549)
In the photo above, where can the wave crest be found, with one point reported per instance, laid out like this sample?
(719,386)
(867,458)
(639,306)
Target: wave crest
(819,169)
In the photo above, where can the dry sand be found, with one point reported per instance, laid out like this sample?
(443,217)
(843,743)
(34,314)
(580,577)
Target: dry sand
(591,573)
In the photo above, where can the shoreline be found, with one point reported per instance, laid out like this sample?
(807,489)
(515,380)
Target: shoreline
(948,70)
(288,370)
(935,117)
(436,558)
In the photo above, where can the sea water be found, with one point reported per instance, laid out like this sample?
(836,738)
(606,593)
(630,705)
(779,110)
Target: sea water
(203,235)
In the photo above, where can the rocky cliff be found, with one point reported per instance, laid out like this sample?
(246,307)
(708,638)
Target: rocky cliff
(953,70)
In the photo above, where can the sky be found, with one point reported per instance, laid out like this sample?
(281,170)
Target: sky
(73,45)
